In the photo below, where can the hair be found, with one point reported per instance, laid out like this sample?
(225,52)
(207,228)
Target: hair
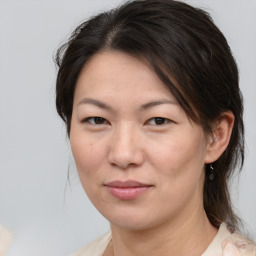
(192,58)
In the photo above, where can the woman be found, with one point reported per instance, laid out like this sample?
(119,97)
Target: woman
(149,93)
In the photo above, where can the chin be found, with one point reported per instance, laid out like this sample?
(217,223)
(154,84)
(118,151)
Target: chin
(132,219)
(133,225)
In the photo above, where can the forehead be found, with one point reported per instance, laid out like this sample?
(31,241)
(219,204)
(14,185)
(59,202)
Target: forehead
(117,73)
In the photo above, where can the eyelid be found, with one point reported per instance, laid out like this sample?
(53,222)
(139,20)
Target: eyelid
(166,121)
(87,120)
(92,120)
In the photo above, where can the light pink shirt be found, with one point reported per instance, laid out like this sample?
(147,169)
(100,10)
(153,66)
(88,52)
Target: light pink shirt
(225,243)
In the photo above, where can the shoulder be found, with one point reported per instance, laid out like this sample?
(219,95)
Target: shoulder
(229,242)
(245,246)
(96,247)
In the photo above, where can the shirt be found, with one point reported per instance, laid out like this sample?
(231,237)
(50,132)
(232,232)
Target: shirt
(225,243)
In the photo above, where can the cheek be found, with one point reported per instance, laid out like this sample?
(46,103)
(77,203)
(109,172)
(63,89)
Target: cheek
(179,159)
(86,154)
(180,173)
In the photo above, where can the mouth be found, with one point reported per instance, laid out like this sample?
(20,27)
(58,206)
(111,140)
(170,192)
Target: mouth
(127,190)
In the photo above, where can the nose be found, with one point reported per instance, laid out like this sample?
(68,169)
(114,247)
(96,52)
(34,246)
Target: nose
(126,148)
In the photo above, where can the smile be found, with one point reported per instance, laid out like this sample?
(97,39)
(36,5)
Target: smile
(127,190)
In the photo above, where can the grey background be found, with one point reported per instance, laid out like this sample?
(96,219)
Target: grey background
(46,215)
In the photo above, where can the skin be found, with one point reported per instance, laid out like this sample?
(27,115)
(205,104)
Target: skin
(127,143)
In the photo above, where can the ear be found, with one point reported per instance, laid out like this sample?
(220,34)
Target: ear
(220,136)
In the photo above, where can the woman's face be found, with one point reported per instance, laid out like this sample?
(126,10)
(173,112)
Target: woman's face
(139,158)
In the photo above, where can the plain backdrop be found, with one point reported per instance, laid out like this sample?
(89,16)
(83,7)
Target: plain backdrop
(47,215)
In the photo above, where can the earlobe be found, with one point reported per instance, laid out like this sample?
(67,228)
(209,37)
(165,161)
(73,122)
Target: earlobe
(219,139)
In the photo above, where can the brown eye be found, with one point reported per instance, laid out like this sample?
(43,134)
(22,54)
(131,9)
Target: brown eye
(95,120)
(99,120)
(158,121)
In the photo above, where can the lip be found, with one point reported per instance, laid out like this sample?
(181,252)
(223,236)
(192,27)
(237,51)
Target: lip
(127,190)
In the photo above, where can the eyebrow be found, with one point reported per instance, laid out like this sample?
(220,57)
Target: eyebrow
(156,103)
(143,107)
(97,103)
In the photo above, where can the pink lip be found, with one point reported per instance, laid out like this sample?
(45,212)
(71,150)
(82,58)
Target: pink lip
(127,190)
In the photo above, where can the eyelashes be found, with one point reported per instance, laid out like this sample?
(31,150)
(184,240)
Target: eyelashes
(97,120)
(158,121)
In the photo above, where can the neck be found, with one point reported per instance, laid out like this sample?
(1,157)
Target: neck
(186,236)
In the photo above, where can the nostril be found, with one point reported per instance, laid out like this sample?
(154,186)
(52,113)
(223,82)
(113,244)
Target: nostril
(125,166)
(126,159)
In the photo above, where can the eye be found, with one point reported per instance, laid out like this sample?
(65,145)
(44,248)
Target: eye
(96,120)
(158,121)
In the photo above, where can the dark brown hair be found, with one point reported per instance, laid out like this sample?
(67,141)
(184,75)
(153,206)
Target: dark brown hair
(188,53)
